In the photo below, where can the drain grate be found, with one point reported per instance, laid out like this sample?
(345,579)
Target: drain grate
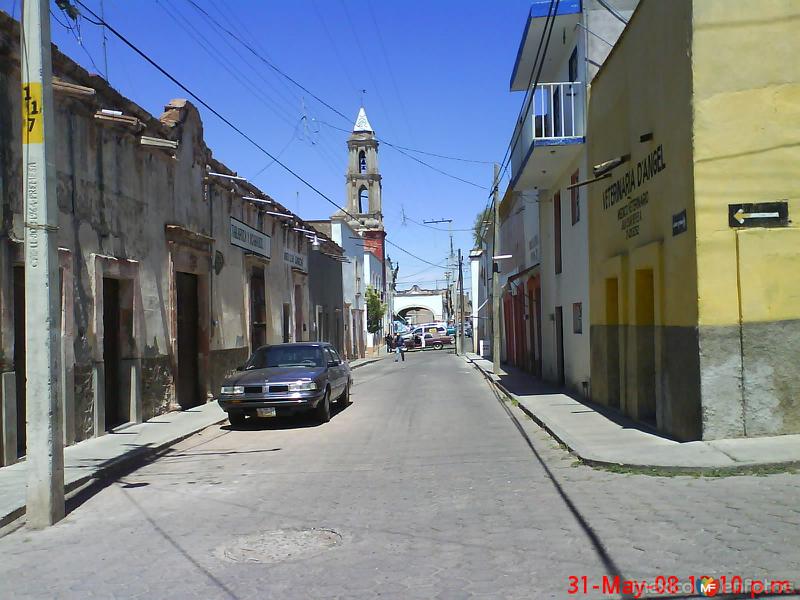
(279,545)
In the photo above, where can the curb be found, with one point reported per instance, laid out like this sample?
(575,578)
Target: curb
(366,362)
(15,519)
(634,468)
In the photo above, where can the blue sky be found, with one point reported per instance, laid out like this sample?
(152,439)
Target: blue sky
(436,75)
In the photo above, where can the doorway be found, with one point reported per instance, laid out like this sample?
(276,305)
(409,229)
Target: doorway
(559,317)
(258,309)
(287,317)
(298,313)
(645,347)
(188,338)
(117,405)
(19,354)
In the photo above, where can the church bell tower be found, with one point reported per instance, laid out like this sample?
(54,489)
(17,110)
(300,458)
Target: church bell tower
(363,186)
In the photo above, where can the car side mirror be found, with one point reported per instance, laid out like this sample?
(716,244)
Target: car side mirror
(333,363)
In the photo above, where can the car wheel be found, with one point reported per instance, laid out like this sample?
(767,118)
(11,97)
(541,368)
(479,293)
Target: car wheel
(344,399)
(237,419)
(323,410)
(438,346)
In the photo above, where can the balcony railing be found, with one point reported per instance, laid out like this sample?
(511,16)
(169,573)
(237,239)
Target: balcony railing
(554,115)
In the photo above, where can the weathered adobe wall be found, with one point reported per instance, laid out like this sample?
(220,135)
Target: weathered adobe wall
(746,126)
(115,199)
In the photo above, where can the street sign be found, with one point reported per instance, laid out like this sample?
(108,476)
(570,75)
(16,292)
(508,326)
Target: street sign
(759,214)
(679,222)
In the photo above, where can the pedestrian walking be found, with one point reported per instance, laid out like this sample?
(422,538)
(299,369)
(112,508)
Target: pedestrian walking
(388,340)
(399,348)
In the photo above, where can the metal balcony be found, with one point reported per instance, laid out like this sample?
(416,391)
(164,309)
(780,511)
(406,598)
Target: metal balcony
(554,117)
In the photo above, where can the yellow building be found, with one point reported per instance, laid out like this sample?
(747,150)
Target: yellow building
(694,125)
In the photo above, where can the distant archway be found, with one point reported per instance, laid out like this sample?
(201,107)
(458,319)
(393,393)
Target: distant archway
(415,315)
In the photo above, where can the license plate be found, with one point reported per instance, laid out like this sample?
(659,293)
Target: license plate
(265,412)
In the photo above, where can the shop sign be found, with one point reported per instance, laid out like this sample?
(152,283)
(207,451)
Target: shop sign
(247,238)
(296,260)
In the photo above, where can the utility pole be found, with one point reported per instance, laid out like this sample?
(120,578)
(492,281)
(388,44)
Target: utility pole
(461,305)
(447,300)
(45,442)
(496,273)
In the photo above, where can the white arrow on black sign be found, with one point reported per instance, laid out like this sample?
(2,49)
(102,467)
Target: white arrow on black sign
(740,215)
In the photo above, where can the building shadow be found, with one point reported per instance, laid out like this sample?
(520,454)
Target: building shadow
(522,383)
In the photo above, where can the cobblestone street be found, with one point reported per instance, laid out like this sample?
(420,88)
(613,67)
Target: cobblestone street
(424,487)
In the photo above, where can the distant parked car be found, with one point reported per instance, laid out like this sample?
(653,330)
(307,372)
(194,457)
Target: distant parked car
(286,379)
(437,341)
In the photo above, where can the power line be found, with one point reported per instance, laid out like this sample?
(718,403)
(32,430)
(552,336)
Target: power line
(271,65)
(440,265)
(551,18)
(215,112)
(410,254)
(407,218)
(414,158)
(225,120)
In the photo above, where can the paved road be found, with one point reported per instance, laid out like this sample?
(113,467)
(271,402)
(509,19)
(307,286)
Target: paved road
(422,488)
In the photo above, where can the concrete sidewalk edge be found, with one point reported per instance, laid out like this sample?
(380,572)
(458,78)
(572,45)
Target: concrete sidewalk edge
(15,518)
(587,457)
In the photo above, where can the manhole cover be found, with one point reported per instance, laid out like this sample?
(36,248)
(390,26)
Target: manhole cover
(280,545)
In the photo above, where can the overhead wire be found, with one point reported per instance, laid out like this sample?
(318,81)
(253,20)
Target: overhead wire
(233,126)
(552,11)
(327,105)
(219,58)
(414,158)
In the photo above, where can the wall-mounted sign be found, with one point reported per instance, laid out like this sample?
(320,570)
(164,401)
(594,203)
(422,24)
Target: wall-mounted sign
(679,222)
(244,236)
(623,191)
(296,260)
(759,214)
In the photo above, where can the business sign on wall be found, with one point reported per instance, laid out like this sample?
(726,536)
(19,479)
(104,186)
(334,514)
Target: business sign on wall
(244,236)
(296,260)
(633,207)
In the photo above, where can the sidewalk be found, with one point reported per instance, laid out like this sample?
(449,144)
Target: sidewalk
(94,457)
(600,437)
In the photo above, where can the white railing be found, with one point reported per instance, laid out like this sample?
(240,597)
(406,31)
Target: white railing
(554,112)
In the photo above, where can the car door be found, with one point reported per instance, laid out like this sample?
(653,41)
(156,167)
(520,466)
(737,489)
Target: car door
(334,369)
(343,370)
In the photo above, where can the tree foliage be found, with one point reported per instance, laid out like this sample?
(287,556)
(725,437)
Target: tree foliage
(375,310)
(483,224)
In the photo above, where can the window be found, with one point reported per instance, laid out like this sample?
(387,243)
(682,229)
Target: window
(575,199)
(363,199)
(577,317)
(557,229)
(362,162)
(285,356)
(573,65)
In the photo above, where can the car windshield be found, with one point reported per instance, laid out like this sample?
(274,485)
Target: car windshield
(285,356)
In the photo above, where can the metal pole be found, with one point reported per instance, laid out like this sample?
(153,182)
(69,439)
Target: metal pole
(461,304)
(45,442)
(496,273)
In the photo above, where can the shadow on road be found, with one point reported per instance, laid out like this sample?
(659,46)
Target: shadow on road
(300,421)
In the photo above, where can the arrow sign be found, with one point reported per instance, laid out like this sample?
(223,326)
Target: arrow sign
(740,215)
(759,214)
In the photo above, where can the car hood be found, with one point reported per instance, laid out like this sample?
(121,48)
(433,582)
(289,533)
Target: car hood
(274,374)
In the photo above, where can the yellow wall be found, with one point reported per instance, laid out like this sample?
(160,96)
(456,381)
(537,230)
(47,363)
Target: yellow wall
(746,66)
(645,87)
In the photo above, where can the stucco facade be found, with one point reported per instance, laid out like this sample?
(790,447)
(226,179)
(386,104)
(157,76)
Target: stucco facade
(694,319)
(168,275)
